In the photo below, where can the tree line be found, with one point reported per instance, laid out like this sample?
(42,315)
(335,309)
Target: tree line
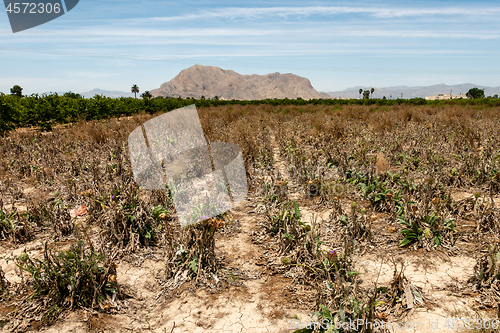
(17,110)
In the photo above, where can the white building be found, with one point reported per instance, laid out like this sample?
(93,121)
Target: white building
(445,96)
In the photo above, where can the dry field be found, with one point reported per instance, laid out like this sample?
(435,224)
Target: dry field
(376,216)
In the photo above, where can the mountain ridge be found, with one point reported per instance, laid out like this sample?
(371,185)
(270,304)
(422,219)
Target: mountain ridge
(414,91)
(108,93)
(211,81)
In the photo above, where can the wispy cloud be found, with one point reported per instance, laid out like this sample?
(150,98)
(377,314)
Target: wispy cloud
(456,36)
(297,12)
(243,36)
(298,49)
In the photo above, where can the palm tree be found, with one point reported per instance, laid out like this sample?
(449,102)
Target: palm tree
(146,95)
(372,90)
(135,90)
(360,92)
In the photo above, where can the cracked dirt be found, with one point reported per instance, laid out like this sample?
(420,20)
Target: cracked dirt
(435,275)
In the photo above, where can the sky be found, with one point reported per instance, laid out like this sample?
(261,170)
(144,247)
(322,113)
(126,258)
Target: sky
(114,44)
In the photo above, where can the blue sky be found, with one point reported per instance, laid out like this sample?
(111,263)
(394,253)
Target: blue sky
(116,43)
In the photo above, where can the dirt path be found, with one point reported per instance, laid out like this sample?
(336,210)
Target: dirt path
(259,301)
(281,171)
(260,304)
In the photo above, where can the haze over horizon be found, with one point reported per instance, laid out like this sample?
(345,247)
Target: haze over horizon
(112,45)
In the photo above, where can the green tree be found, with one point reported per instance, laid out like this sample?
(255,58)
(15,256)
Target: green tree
(146,95)
(360,92)
(6,116)
(17,91)
(366,94)
(475,93)
(71,94)
(135,90)
(372,90)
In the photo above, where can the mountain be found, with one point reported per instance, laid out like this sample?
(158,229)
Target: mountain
(108,93)
(211,81)
(415,91)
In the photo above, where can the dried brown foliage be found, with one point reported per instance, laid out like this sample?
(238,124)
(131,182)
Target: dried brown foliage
(429,153)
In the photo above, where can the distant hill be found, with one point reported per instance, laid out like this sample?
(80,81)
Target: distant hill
(211,81)
(107,93)
(416,91)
